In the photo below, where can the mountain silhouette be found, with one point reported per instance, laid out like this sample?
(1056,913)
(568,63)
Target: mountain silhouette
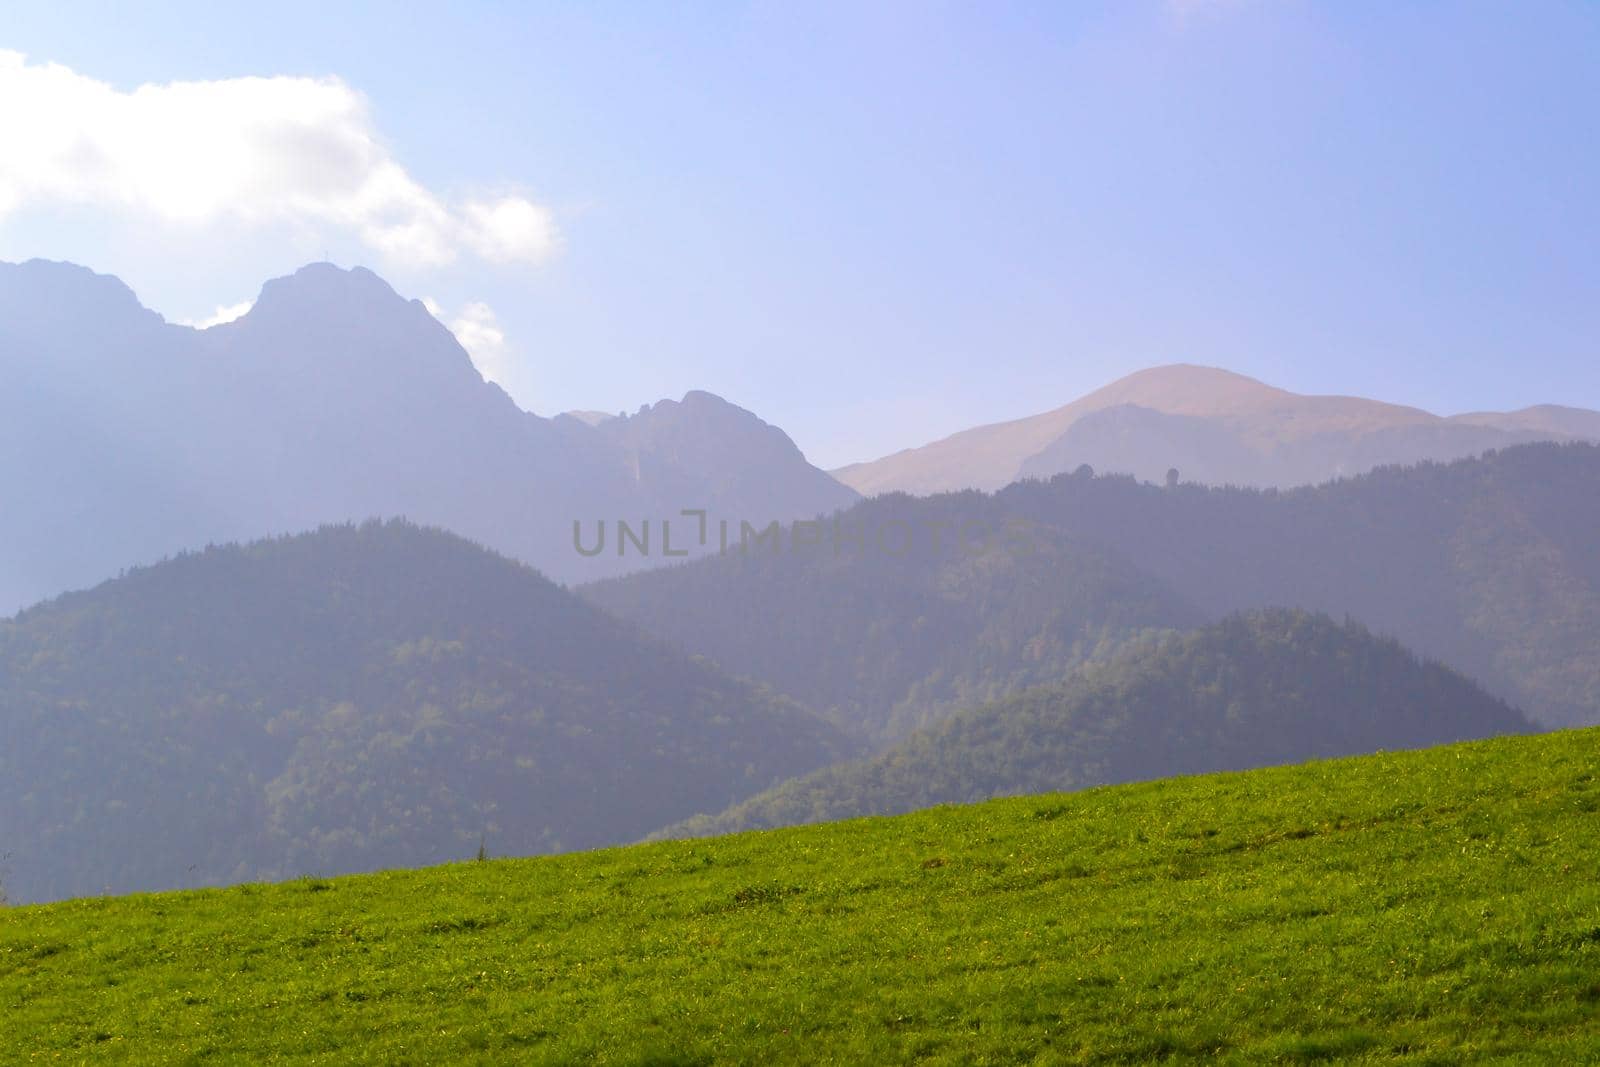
(128,438)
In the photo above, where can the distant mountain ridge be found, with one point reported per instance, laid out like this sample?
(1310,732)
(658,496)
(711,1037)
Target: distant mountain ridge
(1216,427)
(124,438)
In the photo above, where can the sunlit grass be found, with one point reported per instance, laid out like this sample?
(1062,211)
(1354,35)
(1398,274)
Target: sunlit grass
(1430,907)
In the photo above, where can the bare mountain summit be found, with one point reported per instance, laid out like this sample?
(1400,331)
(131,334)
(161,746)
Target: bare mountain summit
(1215,427)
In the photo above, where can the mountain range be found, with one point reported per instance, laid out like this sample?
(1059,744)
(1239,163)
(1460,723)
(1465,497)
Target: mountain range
(333,398)
(124,438)
(1035,605)
(1215,427)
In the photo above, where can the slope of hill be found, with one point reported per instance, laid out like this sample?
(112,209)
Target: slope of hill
(1216,427)
(124,438)
(353,699)
(1430,907)
(901,610)
(1250,691)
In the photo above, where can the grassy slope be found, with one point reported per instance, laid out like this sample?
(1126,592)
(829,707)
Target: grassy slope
(1433,906)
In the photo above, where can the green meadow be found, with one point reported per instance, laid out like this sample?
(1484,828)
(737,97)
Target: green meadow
(1440,906)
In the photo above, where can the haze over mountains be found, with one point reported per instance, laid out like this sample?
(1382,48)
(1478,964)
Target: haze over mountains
(1216,428)
(124,438)
(335,399)
(388,694)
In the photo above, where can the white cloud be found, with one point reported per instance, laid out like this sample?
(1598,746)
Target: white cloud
(479,331)
(224,313)
(508,229)
(259,151)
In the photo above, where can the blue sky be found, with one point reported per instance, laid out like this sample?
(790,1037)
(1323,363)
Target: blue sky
(875,224)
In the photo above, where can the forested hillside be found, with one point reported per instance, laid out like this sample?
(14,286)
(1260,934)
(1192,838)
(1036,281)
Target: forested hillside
(1491,565)
(1253,690)
(355,698)
(902,610)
